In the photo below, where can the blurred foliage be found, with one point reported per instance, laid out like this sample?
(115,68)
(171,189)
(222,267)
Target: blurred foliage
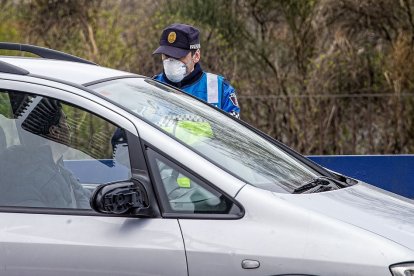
(323,76)
(9,29)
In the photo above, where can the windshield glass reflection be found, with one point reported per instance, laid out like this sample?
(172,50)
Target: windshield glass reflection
(221,139)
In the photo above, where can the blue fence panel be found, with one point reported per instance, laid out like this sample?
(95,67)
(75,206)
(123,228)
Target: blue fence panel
(394,173)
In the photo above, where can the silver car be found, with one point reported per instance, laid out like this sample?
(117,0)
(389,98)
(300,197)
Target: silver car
(104,172)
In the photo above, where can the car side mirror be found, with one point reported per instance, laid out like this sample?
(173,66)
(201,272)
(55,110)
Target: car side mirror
(121,198)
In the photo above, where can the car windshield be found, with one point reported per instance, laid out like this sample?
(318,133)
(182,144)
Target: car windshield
(223,140)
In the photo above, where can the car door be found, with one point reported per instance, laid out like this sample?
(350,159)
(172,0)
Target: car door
(56,147)
(211,221)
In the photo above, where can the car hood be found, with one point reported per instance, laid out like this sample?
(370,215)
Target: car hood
(364,206)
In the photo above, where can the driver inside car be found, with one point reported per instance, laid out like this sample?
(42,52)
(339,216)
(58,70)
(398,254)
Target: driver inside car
(35,171)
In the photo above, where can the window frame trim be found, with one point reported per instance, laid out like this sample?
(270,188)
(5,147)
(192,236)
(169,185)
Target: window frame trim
(151,152)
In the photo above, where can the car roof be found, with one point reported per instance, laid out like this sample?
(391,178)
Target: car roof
(68,71)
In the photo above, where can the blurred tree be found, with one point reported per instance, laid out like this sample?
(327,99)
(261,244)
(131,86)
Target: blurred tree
(9,30)
(323,76)
(61,24)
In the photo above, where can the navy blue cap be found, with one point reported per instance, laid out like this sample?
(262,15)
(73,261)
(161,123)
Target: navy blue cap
(177,40)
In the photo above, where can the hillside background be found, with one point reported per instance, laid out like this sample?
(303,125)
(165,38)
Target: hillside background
(322,76)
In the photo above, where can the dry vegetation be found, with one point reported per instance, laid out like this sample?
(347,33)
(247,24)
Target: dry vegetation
(323,76)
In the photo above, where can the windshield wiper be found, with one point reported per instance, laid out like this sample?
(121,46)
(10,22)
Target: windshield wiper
(320,184)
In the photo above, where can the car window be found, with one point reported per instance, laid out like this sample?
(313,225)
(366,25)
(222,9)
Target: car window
(53,154)
(221,139)
(182,192)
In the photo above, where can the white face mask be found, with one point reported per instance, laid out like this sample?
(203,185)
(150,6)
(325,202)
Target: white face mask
(175,70)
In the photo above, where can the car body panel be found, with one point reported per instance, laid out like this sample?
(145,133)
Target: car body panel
(386,214)
(74,72)
(285,238)
(39,244)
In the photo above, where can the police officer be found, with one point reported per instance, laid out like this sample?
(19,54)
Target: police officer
(180,50)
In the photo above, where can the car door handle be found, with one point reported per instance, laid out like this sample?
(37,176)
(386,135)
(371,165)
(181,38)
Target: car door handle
(250,264)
